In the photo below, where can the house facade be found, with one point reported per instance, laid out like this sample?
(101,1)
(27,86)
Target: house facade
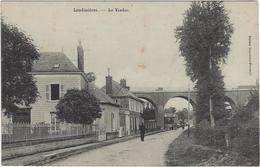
(131,107)
(109,121)
(54,74)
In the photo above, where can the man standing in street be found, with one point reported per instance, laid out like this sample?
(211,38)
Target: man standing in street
(142,131)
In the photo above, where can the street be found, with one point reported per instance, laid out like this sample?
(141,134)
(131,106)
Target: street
(133,152)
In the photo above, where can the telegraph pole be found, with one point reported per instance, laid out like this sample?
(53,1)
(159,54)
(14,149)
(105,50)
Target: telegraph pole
(249,52)
(189,110)
(212,122)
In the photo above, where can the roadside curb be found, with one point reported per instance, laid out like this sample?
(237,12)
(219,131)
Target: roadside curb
(65,154)
(60,153)
(17,155)
(41,141)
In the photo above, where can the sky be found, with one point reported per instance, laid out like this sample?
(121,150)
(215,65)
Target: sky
(138,45)
(178,103)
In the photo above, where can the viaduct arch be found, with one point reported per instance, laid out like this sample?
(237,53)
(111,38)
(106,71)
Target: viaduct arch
(159,99)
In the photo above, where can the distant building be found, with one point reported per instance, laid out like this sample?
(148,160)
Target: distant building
(170,118)
(131,107)
(246,87)
(159,89)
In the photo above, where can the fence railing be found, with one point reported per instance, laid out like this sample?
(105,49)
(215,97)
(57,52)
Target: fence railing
(16,132)
(150,124)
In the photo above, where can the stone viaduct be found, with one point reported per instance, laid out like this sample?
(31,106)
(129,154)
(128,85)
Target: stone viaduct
(160,98)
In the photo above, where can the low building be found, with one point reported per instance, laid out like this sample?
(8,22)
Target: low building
(131,106)
(109,121)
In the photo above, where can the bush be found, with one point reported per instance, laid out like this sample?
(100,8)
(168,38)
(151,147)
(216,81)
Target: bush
(78,106)
(244,129)
(210,136)
(246,142)
(204,124)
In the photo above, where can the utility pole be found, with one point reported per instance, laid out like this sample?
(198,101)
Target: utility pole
(189,110)
(249,52)
(212,122)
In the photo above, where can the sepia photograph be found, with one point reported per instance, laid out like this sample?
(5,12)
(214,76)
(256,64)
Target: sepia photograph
(129,83)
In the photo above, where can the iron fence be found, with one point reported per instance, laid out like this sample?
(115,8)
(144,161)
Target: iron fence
(16,132)
(150,124)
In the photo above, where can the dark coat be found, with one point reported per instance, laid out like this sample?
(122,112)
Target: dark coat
(142,129)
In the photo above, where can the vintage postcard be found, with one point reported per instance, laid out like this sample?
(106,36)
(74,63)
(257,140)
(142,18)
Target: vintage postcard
(130,83)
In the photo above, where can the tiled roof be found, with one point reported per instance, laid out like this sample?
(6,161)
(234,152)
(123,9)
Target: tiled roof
(48,60)
(119,91)
(102,96)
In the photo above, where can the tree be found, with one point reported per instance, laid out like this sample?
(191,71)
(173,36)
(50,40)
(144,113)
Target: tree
(18,55)
(78,106)
(169,115)
(248,112)
(183,114)
(170,110)
(149,113)
(204,39)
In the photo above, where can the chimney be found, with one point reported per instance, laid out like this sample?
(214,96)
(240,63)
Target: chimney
(108,83)
(123,83)
(80,57)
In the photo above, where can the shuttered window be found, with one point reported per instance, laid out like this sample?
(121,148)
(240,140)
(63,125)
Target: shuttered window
(62,90)
(54,91)
(47,92)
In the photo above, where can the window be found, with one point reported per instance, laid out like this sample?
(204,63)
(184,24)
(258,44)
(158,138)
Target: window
(55,91)
(112,121)
(131,124)
(130,105)
(122,119)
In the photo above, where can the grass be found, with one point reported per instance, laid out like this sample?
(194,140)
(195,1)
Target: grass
(180,151)
(183,151)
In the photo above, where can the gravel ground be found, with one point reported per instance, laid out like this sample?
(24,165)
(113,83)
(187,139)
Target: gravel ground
(133,152)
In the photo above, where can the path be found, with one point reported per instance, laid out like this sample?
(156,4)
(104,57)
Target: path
(132,152)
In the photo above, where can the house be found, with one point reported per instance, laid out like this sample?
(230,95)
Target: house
(55,74)
(109,121)
(131,106)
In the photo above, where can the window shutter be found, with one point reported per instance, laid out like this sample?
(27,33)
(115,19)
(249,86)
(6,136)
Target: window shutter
(47,92)
(61,90)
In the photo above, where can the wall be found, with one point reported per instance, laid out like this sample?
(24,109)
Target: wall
(135,105)
(124,102)
(106,123)
(84,84)
(41,109)
(132,109)
(134,122)
(127,122)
